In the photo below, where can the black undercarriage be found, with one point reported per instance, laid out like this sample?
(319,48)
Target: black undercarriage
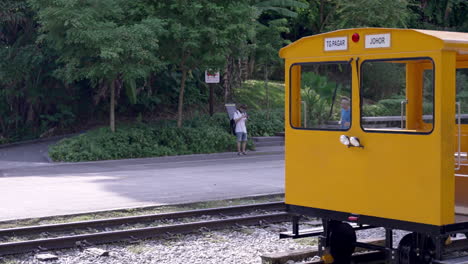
(423,244)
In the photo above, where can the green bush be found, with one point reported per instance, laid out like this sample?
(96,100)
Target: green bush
(374,110)
(265,123)
(385,107)
(142,141)
(220,120)
(260,122)
(3,140)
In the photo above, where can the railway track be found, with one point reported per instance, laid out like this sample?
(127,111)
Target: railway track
(230,217)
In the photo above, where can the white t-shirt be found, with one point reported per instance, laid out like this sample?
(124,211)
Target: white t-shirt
(240,125)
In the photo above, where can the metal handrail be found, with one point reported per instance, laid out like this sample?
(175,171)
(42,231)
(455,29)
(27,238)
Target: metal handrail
(459,135)
(305,112)
(403,106)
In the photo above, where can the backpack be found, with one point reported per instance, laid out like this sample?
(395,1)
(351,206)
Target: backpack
(232,124)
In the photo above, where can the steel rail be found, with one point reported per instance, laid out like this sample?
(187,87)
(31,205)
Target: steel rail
(134,234)
(231,210)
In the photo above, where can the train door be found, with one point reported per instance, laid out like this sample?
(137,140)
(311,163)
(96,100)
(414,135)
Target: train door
(400,138)
(461,140)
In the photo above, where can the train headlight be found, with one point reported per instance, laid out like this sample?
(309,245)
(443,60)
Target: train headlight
(355,141)
(344,140)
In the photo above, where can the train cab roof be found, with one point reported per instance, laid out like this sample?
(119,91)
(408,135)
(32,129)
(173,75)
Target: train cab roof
(376,40)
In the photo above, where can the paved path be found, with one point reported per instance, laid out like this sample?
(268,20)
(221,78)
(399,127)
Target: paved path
(24,155)
(43,189)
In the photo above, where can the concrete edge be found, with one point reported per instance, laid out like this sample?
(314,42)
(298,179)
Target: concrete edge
(145,207)
(178,158)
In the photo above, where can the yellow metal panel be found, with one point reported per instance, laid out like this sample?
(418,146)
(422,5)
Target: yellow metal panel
(322,173)
(462,64)
(296,95)
(447,36)
(445,77)
(414,89)
(398,176)
(402,40)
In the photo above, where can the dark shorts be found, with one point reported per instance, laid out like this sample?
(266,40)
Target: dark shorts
(241,136)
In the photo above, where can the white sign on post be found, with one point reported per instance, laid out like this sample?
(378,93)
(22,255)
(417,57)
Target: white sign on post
(211,77)
(339,43)
(378,41)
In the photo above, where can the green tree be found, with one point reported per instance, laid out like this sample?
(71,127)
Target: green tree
(107,42)
(371,13)
(269,41)
(23,68)
(441,15)
(327,15)
(315,18)
(271,25)
(201,33)
(280,7)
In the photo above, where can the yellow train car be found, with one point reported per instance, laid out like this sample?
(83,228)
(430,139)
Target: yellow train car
(377,135)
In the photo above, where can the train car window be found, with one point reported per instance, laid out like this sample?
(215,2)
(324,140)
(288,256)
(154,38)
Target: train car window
(321,96)
(397,96)
(462,92)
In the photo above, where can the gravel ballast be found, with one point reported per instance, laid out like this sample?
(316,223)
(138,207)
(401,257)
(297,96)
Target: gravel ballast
(242,245)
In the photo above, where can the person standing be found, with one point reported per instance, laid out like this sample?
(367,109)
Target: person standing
(345,113)
(240,117)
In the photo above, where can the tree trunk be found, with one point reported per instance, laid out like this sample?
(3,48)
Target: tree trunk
(211,85)
(30,115)
(112,106)
(3,127)
(321,13)
(226,80)
(267,95)
(251,66)
(239,72)
(181,98)
(447,14)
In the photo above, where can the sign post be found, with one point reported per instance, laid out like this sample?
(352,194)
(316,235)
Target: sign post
(211,78)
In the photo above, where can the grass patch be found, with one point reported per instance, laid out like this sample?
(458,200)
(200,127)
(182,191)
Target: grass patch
(138,249)
(307,241)
(247,231)
(253,94)
(140,211)
(215,239)
(9,260)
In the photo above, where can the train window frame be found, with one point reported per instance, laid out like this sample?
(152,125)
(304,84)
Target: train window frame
(433,97)
(461,67)
(349,62)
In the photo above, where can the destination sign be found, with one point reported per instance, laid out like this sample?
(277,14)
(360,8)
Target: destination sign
(339,43)
(378,41)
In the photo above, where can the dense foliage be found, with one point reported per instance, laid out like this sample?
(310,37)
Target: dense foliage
(202,134)
(253,93)
(67,65)
(141,141)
